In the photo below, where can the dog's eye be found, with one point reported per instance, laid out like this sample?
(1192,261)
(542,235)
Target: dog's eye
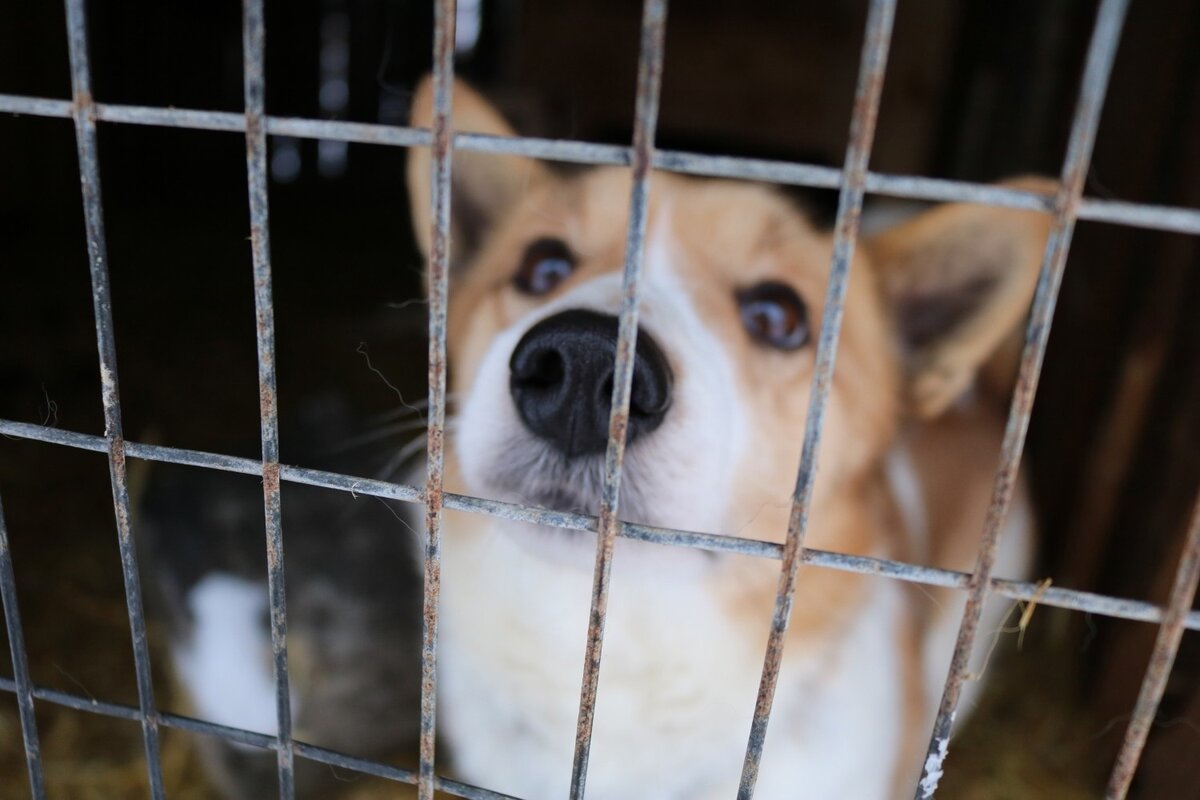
(773,314)
(546,263)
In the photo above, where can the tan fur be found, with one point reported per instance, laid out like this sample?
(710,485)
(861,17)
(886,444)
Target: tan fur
(733,235)
(935,250)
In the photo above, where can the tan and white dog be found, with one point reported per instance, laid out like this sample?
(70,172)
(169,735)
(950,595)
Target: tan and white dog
(732,292)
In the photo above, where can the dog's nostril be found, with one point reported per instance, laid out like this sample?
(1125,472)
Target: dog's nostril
(543,369)
(644,404)
(651,394)
(649,397)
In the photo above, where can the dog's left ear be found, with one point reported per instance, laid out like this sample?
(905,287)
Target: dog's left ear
(483,186)
(959,279)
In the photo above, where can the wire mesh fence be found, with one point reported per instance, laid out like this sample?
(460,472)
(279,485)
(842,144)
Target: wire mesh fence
(854,181)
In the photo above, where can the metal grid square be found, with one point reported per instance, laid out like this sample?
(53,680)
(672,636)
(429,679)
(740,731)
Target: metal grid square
(854,181)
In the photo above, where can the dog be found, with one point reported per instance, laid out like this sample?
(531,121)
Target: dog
(733,288)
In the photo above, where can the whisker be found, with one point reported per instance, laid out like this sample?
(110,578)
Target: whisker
(375,435)
(411,408)
(362,350)
(407,452)
(403,304)
(396,462)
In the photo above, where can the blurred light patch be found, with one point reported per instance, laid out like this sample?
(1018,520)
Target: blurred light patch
(468,24)
(333,93)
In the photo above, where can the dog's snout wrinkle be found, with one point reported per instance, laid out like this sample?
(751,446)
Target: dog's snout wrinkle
(561,381)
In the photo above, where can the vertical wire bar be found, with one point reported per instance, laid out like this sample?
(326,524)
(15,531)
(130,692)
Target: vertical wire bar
(20,662)
(84,114)
(1183,594)
(1101,53)
(445,13)
(867,96)
(650,63)
(253,54)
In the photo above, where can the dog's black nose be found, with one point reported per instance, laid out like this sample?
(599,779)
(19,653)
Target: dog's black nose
(561,379)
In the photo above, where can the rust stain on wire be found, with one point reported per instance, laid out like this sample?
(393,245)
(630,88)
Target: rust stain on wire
(1166,646)
(1101,53)
(83,112)
(439,260)
(253,59)
(649,81)
(854,174)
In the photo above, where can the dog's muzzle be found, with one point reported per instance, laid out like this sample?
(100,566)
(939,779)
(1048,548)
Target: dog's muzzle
(561,380)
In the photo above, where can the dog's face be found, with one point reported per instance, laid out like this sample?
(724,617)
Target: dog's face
(729,314)
(732,293)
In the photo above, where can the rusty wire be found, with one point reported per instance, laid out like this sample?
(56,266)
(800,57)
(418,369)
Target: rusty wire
(253,56)
(1166,646)
(250,738)
(22,685)
(910,187)
(715,543)
(649,82)
(867,96)
(93,213)
(438,277)
(1101,54)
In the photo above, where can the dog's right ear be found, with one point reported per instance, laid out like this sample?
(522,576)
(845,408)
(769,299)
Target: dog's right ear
(483,186)
(959,279)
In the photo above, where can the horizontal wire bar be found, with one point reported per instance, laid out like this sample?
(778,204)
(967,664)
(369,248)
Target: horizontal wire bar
(1069,599)
(1141,215)
(172,117)
(252,739)
(912,187)
(36,106)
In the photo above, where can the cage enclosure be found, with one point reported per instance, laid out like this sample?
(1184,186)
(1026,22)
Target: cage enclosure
(280,354)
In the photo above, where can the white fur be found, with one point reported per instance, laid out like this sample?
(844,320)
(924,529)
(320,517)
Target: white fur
(514,672)
(1014,558)
(677,683)
(225,662)
(906,489)
(840,732)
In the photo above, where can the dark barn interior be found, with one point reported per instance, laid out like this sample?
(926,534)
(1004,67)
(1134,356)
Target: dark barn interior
(973,92)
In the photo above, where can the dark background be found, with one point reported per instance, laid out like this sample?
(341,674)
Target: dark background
(973,91)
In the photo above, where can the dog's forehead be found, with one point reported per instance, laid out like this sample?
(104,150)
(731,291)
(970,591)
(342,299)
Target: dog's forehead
(718,224)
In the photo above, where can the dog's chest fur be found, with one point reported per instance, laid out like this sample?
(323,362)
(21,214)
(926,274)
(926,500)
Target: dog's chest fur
(677,683)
